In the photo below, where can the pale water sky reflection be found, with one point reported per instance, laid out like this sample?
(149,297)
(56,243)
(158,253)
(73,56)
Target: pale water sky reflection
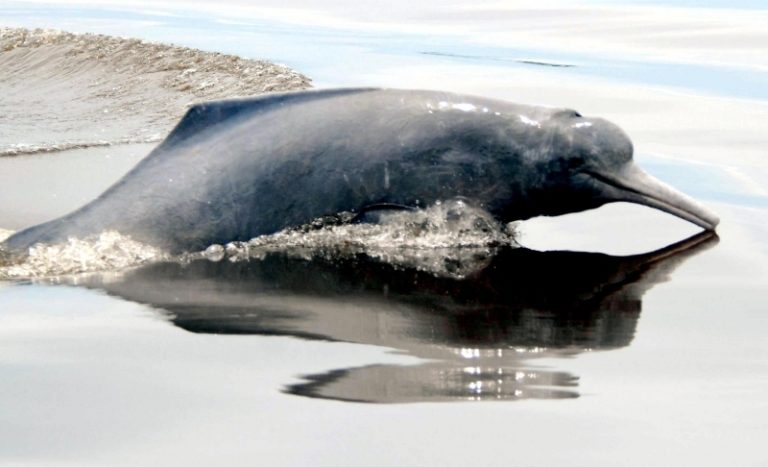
(308,48)
(621,361)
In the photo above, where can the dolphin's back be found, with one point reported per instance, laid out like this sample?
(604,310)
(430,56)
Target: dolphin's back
(232,170)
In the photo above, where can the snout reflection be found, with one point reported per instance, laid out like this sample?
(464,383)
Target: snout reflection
(481,334)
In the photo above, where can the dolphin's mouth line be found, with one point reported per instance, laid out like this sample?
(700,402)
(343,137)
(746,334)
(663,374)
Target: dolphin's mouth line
(636,186)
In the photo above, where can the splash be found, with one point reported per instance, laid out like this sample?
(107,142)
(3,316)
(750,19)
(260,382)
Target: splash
(451,239)
(104,252)
(24,149)
(86,90)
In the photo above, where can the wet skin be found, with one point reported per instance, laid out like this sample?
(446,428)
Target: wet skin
(233,170)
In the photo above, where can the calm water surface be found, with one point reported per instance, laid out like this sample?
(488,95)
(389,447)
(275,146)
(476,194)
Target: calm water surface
(644,344)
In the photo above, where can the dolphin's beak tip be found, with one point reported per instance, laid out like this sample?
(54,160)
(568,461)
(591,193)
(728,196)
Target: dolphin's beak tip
(710,221)
(635,185)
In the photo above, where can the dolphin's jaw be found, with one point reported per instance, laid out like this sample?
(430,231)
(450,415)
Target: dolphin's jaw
(634,185)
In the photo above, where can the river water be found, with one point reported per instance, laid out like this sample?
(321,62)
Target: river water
(618,336)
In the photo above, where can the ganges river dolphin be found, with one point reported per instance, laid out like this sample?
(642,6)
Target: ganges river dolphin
(235,169)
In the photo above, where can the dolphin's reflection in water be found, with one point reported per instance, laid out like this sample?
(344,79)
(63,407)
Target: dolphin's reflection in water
(481,334)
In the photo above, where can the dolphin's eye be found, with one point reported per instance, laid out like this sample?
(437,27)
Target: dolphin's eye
(574,163)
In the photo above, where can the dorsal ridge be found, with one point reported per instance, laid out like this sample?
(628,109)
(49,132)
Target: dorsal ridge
(204,115)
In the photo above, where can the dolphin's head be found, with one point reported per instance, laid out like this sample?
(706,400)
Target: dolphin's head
(593,166)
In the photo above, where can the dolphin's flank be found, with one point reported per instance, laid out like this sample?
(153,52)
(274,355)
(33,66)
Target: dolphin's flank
(233,170)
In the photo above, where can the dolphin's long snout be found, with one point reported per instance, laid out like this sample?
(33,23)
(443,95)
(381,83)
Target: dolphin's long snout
(634,185)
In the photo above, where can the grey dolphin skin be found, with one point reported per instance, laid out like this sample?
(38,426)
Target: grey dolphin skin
(233,170)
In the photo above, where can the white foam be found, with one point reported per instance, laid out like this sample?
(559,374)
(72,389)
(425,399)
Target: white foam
(24,149)
(451,238)
(103,252)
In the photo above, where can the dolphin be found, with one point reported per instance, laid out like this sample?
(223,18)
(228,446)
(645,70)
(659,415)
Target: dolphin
(236,169)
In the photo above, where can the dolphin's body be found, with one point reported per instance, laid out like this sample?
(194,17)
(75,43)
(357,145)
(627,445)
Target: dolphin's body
(233,170)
